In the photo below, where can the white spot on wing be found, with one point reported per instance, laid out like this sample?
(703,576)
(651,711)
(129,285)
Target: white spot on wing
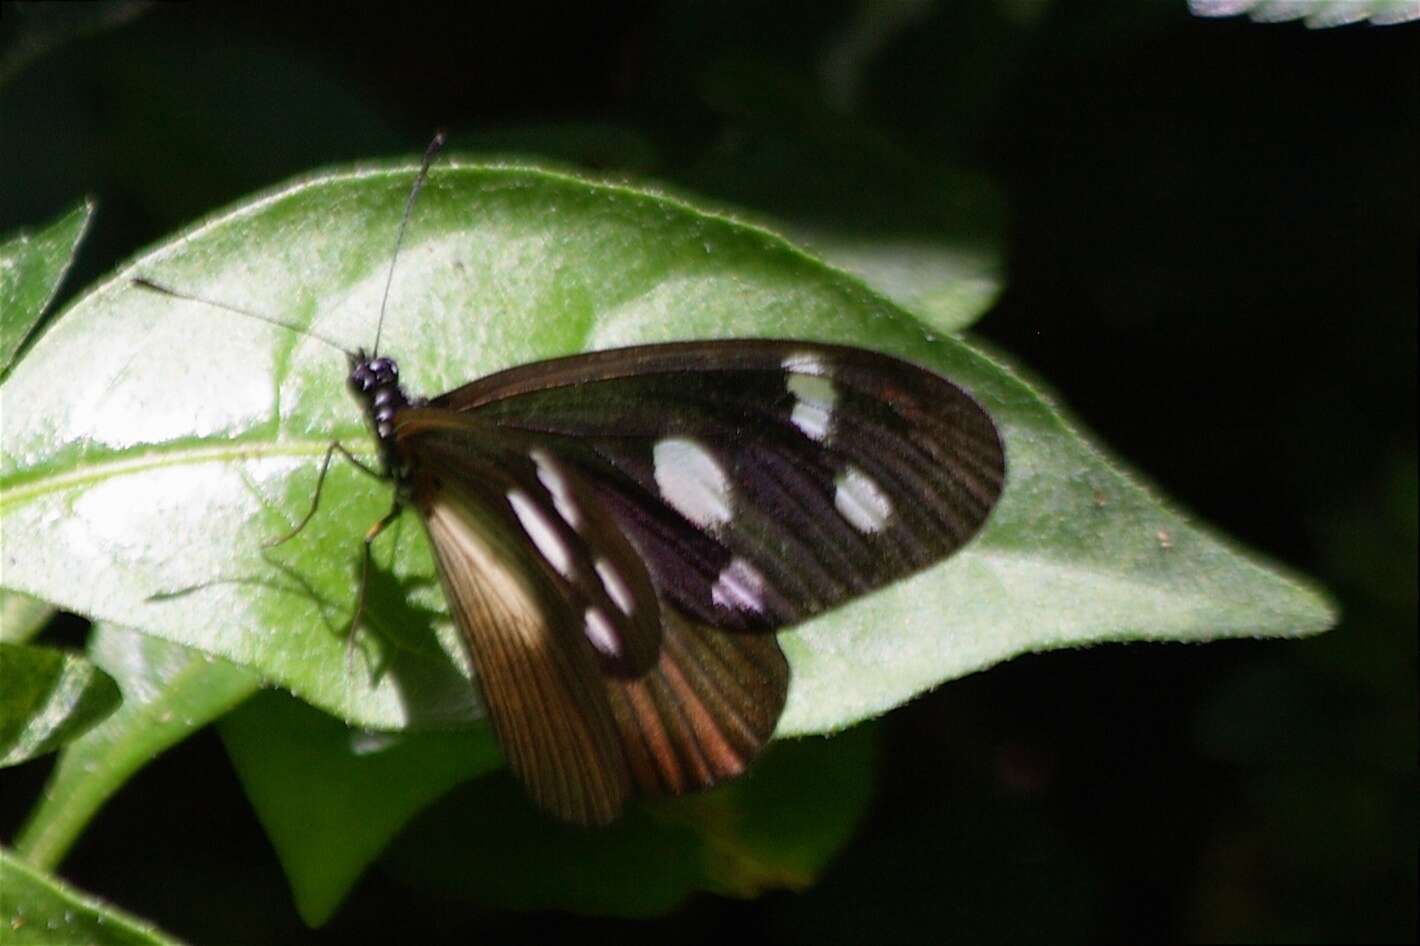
(804,362)
(691,480)
(616,587)
(861,501)
(557,485)
(814,410)
(740,587)
(602,634)
(542,531)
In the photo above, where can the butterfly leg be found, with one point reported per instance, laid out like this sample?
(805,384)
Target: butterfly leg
(370,536)
(320,482)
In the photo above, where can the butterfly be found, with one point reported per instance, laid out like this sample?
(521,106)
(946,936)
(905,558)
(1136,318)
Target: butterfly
(619,535)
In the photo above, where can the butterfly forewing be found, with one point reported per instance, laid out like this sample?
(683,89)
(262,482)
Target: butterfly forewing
(762,481)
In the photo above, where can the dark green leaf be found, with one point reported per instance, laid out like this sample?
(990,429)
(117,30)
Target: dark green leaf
(32,265)
(169,692)
(331,797)
(779,828)
(47,697)
(774,829)
(38,910)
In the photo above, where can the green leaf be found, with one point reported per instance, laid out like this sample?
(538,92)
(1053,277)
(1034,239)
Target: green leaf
(169,692)
(486,843)
(330,798)
(22,617)
(32,265)
(946,285)
(946,272)
(47,697)
(777,828)
(192,436)
(38,910)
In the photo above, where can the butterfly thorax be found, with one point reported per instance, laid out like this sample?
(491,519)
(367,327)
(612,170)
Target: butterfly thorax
(376,381)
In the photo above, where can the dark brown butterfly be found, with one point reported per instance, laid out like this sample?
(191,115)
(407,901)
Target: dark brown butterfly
(619,534)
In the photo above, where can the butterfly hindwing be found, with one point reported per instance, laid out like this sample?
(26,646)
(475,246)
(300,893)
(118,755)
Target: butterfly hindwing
(538,675)
(579,548)
(704,712)
(521,548)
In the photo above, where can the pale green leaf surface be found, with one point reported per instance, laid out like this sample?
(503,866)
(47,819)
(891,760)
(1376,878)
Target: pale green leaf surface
(37,909)
(947,286)
(330,798)
(32,265)
(169,692)
(193,435)
(47,697)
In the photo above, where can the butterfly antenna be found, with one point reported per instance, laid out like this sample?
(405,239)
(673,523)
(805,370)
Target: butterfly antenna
(429,154)
(144,283)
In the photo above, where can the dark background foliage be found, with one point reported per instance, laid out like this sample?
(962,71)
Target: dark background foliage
(1210,255)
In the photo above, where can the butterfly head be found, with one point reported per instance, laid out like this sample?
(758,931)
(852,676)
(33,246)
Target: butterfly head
(367,373)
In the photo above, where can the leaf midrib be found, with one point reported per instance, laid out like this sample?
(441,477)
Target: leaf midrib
(20,489)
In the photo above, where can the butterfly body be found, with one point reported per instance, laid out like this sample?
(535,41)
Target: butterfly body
(618,535)
(375,380)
